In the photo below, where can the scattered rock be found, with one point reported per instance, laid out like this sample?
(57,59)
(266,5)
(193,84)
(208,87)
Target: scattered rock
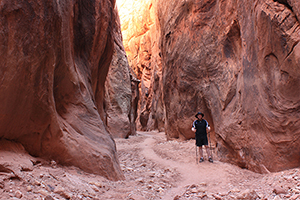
(136,197)
(18,194)
(2,185)
(247,195)
(36,183)
(48,197)
(29,188)
(295,196)
(234,190)
(140,180)
(177,197)
(43,192)
(62,192)
(216,196)
(53,164)
(194,190)
(98,184)
(279,190)
(277,198)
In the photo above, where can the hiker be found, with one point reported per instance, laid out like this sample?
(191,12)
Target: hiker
(200,127)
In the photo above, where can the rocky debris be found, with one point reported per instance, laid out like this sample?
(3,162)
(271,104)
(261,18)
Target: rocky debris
(145,178)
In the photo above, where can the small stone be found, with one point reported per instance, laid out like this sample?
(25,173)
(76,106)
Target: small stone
(98,184)
(136,197)
(160,190)
(140,180)
(48,197)
(218,197)
(176,197)
(29,188)
(247,195)
(277,198)
(222,194)
(201,196)
(152,174)
(295,196)
(143,165)
(203,184)
(296,191)
(62,192)
(36,183)
(234,190)
(43,192)
(129,169)
(2,185)
(194,190)
(53,164)
(279,190)
(18,194)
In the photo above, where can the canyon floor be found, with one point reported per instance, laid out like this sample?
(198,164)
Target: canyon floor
(153,168)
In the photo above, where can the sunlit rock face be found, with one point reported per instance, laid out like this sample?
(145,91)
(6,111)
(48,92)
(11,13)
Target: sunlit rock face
(121,92)
(141,38)
(55,57)
(238,62)
(235,61)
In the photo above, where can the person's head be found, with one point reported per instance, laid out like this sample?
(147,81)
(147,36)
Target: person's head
(199,115)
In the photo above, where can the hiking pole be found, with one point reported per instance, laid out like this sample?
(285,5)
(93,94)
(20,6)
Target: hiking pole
(211,153)
(196,155)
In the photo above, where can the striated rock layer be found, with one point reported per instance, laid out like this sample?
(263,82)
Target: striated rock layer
(121,92)
(238,62)
(140,36)
(235,61)
(55,57)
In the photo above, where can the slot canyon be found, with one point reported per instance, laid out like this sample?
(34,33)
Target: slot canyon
(82,79)
(235,61)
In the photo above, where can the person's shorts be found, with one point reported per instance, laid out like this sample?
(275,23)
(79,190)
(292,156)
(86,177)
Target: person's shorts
(201,141)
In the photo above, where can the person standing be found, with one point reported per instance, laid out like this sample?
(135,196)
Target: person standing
(200,127)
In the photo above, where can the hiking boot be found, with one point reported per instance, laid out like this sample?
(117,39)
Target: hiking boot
(210,160)
(201,160)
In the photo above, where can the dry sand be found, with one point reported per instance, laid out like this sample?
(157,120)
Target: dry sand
(154,169)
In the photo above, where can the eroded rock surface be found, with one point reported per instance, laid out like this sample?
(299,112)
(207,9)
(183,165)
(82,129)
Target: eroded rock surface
(235,61)
(55,57)
(121,91)
(140,35)
(238,62)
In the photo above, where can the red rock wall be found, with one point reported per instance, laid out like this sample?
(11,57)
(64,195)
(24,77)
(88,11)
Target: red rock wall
(238,62)
(140,36)
(121,92)
(55,57)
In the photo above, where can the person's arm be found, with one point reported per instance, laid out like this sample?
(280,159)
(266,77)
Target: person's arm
(194,127)
(207,126)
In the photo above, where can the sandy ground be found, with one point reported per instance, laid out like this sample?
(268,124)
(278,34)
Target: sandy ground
(154,169)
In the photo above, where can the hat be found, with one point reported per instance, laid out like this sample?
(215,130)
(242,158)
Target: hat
(199,113)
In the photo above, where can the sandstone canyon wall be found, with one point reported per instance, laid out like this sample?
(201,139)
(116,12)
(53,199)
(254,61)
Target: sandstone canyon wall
(121,91)
(140,36)
(55,57)
(236,61)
